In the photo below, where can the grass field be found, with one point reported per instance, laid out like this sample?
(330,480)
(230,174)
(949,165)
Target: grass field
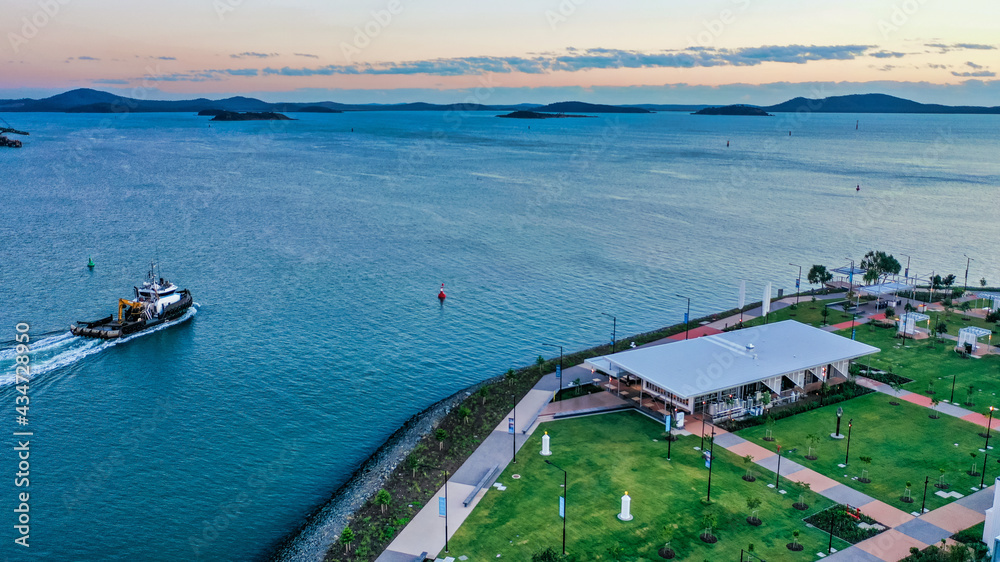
(807,312)
(927,360)
(610,454)
(904,443)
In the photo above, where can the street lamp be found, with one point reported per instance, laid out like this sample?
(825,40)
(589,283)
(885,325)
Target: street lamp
(850,423)
(687,316)
(711,457)
(446,511)
(840,412)
(924,503)
(777,473)
(670,437)
(614,328)
(967,261)
(559,372)
(798,281)
(565,503)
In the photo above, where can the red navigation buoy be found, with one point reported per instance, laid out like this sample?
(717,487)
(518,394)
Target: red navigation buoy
(441,295)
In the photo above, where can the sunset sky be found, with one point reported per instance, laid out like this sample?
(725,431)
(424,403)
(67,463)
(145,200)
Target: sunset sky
(626,51)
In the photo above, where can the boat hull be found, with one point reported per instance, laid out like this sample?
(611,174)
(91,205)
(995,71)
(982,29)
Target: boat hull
(108,328)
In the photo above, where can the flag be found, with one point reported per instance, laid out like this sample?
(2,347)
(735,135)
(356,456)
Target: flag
(743,293)
(766,301)
(442,507)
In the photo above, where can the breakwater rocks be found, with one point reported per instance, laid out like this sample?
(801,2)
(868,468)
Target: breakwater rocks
(317,535)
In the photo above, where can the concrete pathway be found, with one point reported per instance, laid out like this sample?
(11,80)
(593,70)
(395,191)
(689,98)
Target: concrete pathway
(921,400)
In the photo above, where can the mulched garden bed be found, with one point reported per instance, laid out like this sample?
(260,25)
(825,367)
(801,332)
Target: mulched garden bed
(844,526)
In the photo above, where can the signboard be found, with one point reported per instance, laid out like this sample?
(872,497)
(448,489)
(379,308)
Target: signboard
(562,507)
(708,461)
(667,423)
(558,371)
(510,426)
(442,507)
(685,317)
(796,283)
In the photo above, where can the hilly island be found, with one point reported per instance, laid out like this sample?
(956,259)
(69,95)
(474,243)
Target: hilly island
(85,100)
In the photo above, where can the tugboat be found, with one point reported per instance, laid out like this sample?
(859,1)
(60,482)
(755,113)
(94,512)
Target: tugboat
(6,142)
(156,302)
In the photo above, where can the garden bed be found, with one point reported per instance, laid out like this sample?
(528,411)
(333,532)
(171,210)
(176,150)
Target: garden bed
(848,523)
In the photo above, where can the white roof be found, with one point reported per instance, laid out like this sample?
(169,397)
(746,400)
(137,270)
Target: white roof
(885,288)
(916,316)
(718,362)
(976,331)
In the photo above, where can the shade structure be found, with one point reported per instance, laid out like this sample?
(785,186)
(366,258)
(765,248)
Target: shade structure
(908,322)
(970,335)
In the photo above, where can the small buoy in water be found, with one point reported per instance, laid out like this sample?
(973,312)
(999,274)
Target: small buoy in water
(441,295)
(858,188)
(727,144)
(789,133)
(90,263)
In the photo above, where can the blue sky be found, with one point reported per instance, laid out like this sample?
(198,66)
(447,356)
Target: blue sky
(628,51)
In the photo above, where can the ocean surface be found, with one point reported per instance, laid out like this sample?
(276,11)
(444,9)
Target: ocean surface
(315,254)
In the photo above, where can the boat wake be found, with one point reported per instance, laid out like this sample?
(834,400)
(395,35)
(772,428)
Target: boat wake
(61,349)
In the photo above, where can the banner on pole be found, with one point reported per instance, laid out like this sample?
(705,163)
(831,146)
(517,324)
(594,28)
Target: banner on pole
(558,371)
(562,507)
(510,426)
(667,422)
(442,507)
(743,293)
(796,283)
(685,317)
(766,301)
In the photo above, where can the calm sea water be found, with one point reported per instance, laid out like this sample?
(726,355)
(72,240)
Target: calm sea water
(316,252)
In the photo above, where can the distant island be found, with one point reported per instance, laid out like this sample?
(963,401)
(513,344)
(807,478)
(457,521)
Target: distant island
(86,100)
(748,110)
(250,116)
(539,115)
(581,107)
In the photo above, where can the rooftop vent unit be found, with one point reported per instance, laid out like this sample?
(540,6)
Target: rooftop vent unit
(749,346)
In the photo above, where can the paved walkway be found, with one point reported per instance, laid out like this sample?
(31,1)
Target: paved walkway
(944,407)
(906,529)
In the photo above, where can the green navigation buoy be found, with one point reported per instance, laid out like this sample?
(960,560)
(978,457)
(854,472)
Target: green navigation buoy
(90,263)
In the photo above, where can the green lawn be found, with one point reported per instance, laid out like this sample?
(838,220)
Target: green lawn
(806,312)
(904,443)
(608,455)
(928,360)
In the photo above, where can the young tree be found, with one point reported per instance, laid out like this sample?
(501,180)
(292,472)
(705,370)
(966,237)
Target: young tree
(753,502)
(346,538)
(907,498)
(864,472)
(813,440)
(801,504)
(483,392)
(896,389)
(541,365)
(382,499)
(941,329)
(708,521)
(441,435)
(934,404)
(577,383)
(941,483)
(969,394)
(824,313)
(890,313)
(748,461)
(974,471)
(464,413)
(509,376)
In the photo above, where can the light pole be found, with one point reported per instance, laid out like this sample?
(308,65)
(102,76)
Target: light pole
(559,374)
(614,328)
(670,437)
(982,481)
(850,423)
(953,375)
(967,261)
(906,272)
(924,503)
(513,433)
(711,455)
(798,281)
(565,502)
(988,424)
(687,316)
(446,511)
(840,412)
(777,473)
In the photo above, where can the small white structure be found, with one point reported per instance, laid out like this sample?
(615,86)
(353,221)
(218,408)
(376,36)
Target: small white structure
(970,335)
(626,514)
(545,445)
(679,424)
(991,527)
(994,299)
(908,322)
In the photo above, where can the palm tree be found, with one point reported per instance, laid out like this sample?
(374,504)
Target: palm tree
(382,499)
(541,365)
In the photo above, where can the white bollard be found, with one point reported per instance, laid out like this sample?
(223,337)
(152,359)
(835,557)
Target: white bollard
(626,514)
(545,445)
